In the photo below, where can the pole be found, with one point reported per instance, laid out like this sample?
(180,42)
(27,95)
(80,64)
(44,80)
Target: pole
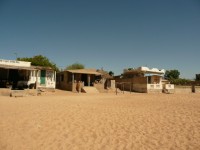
(123,88)
(116,90)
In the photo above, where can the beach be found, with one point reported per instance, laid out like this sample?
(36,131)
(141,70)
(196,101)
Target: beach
(105,121)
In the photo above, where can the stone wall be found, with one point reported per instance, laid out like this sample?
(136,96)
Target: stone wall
(5,91)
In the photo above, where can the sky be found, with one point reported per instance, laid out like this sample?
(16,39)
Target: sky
(108,34)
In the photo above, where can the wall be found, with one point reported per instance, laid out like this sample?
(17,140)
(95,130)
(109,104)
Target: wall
(112,86)
(154,88)
(137,84)
(15,63)
(186,89)
(63,85)
(49,79)
(99,87)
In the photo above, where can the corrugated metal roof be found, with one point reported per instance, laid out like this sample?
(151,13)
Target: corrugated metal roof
(85,71)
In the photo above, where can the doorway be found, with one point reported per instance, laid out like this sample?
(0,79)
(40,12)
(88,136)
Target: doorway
(42,77)
(84,78)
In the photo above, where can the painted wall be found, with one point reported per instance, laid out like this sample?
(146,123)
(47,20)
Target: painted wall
(49,78)
(15,63)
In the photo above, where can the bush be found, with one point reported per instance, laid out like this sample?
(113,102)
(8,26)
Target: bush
(181,81)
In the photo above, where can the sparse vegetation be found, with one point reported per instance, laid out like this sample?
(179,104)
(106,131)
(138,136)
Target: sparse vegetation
(75,66)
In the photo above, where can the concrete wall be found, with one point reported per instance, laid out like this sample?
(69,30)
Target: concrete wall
(100,87)
(64,85)
(5,91)
(186,89)
(50,79)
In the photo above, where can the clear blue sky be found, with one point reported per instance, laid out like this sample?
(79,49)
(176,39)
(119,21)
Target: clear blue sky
(112,34)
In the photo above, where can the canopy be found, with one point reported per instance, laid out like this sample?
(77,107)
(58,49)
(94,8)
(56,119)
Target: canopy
(16,67)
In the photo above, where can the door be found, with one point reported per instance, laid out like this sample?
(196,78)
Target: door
(42,77)
(84,79)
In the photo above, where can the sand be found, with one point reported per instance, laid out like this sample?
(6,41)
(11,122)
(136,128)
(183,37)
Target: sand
(64,120)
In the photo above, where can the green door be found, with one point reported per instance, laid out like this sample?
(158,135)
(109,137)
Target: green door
(42,77)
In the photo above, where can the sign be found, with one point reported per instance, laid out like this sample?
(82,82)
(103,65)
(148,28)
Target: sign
(15,63)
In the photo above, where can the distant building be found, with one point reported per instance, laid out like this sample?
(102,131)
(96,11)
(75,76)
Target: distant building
(143,80)
(197,77)
(20,74)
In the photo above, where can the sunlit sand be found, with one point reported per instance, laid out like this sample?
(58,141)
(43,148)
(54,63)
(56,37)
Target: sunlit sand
(64,120)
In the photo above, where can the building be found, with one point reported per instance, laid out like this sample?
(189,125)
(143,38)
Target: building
(20,74)
(144,80)
(80,80)
(197,77)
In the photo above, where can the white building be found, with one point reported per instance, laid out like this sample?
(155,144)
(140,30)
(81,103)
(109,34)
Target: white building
(20,74)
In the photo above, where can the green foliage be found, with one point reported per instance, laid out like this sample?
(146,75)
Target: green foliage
(39,60)
(130,69)
(181,81)
(172,74)
(111,73)
(173,77)
(75,66)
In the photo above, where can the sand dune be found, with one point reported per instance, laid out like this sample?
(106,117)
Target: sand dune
(100,121)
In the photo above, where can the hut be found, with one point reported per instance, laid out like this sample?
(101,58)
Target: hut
(81,80)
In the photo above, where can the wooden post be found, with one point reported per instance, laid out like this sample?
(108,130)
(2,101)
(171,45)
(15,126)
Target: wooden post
(123,87)
(88,80)
(36,84)
(193,88)
(73,82)
(130,88)
(72,78)
(116,88)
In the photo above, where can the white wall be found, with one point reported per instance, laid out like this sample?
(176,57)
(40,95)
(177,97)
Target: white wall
(49,79)
(15,63)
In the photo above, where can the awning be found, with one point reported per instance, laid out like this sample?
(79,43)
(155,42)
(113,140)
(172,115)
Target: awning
(153,74)
(16,67)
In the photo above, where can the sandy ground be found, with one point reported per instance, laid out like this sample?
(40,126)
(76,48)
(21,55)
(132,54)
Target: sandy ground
(63,120)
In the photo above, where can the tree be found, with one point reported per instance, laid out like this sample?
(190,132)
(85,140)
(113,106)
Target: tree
(172,74)
(111,73)
(39,60)
(75,66)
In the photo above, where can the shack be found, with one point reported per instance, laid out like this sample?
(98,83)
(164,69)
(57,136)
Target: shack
(81,80)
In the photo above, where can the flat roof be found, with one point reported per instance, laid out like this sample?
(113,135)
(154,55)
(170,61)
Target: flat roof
(17,67)
(85,71)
